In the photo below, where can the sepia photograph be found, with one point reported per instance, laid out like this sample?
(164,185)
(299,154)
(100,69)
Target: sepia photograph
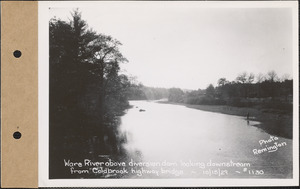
(171,90)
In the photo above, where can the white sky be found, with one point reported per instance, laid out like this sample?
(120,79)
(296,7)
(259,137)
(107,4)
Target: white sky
(184,45)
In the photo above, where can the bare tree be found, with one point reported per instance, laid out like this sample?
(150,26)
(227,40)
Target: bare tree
(250,78)
(260,78)
(272,76)
(285,77)
(242,78)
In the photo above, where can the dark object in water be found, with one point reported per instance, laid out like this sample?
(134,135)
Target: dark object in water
(142,110)
(248,116)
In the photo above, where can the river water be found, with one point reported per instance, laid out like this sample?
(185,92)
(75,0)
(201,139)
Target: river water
(173,141)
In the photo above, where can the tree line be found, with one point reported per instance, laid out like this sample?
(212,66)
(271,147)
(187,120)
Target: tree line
(267,91)
(141,92)
(88,93)
(247,90)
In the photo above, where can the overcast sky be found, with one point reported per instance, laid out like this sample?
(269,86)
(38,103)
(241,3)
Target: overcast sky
(190,47)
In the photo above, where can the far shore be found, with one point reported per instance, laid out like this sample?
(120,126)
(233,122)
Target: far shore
(272,121)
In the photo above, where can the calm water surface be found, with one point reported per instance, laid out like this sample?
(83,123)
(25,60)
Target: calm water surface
(175,133)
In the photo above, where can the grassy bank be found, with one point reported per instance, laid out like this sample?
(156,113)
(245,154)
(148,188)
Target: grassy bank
(273,121)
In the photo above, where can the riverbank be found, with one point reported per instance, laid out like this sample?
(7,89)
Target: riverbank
(272,121)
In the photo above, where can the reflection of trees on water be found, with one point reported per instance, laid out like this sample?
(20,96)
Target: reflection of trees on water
(87,94)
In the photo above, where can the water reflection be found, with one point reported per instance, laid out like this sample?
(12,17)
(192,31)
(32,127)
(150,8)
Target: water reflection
(174,133)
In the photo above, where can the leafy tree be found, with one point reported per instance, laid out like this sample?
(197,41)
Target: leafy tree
(245,92)
(87,91)
(222,81)
(176,95)
(210,91)
(105,58)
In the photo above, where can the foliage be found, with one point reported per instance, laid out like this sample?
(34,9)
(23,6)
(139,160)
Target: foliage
(87,91)
(141,92)
(268,92)
(176,95)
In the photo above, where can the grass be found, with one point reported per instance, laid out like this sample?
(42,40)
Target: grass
(273,121)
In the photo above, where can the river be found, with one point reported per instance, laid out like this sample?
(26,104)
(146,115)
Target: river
(173,141)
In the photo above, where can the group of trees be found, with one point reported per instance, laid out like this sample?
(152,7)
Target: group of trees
(87,91)
(266,86)
(141,92)
(246,90)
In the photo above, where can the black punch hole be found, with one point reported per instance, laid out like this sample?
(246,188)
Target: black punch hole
(17,135)
(17,53)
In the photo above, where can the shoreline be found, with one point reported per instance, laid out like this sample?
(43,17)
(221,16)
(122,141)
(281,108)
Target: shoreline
(271,121)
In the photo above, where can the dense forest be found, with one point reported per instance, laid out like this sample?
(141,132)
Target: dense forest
(87,92)
(141,92)
(269,91)
(247,90)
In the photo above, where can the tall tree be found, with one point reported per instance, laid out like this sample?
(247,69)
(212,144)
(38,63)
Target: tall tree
(250,78)
(176,95)
(210,91)
(222,81)
(272,76)
(260,78)
(242,78)
(105,57)
(87,91)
